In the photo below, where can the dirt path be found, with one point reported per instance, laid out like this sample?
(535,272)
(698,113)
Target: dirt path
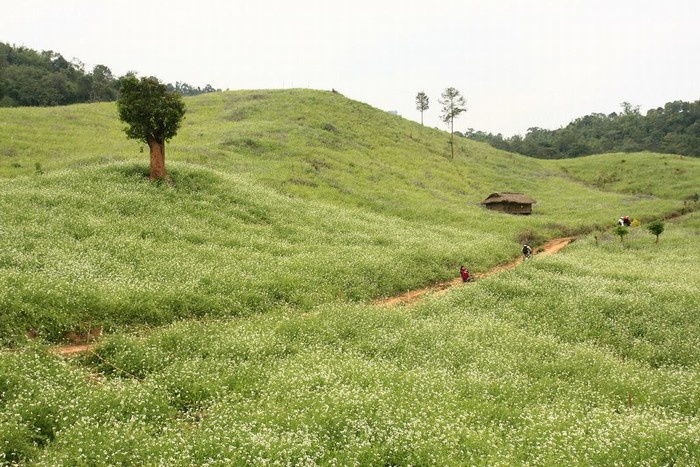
(407,298)
(72,349)
(413,296)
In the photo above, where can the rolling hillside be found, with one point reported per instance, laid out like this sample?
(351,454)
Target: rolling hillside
(238,304)
(281,199)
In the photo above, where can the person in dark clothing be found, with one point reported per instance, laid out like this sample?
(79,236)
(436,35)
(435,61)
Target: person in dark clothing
(466,277)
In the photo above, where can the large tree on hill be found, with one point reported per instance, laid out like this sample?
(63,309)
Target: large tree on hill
(153,114)
(422,103)
(453,104)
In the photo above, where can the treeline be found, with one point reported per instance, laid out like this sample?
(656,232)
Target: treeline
(673,128)
(31,78)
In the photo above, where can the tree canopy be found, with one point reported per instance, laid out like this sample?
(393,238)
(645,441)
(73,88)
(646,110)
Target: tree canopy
(153,115)
(656,228)
(422,104)
(673,128)
(31,78)
(453,104)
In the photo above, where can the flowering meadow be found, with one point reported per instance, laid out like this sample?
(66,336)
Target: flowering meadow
(236,303)
(281,199)
(583,358)
(214,245)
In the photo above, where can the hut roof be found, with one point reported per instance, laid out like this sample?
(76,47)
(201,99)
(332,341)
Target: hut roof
(505,197)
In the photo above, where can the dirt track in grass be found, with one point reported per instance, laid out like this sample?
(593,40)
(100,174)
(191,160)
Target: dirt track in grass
(408,298)
(413,296)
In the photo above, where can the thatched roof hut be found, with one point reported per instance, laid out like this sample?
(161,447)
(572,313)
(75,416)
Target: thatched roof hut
(512,203)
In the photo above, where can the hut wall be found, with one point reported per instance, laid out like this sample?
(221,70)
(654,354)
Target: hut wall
(512,208)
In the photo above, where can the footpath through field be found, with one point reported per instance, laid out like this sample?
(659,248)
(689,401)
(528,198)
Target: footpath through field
(412,296)
(406,298)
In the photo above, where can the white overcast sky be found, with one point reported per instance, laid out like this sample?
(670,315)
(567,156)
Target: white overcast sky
(518,63)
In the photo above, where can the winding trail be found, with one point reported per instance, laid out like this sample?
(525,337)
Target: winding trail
(408,298)
(412,296)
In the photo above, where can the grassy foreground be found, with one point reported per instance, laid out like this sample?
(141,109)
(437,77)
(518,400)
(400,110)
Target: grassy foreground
(584,358)
(245,289)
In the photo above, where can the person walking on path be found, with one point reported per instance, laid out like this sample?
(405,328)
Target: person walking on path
(466,277)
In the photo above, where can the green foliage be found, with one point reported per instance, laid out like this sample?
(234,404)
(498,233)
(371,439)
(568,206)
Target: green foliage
(186,89)
(668,129)
(225,246)
(31,78)
(422,104)
(153,113)
(17,443)
(656,228)
(453,104)
(622,231)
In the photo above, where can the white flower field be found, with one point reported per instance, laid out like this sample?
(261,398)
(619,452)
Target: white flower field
(237,317)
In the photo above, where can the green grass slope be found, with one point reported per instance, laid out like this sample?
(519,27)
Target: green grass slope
(289,212)
(281,199)
(101,246)
(588,357)
(661,175)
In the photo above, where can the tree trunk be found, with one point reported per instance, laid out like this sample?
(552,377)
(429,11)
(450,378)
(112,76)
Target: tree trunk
(452,136)
(158,171)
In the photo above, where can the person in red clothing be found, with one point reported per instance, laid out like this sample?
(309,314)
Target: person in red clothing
(465,274)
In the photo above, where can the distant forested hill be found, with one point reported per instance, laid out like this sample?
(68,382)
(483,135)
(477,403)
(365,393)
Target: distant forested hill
(673,128)
(31,78)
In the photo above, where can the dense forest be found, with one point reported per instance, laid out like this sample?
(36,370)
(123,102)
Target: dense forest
(31,78)
(673,128)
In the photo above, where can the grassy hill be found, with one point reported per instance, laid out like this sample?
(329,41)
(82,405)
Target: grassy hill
(290,212)
(285,198)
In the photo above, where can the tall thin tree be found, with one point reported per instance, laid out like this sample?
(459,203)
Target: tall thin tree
(422,104)
(453,104)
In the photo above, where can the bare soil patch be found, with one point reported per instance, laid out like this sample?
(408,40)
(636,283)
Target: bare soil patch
(72,349)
